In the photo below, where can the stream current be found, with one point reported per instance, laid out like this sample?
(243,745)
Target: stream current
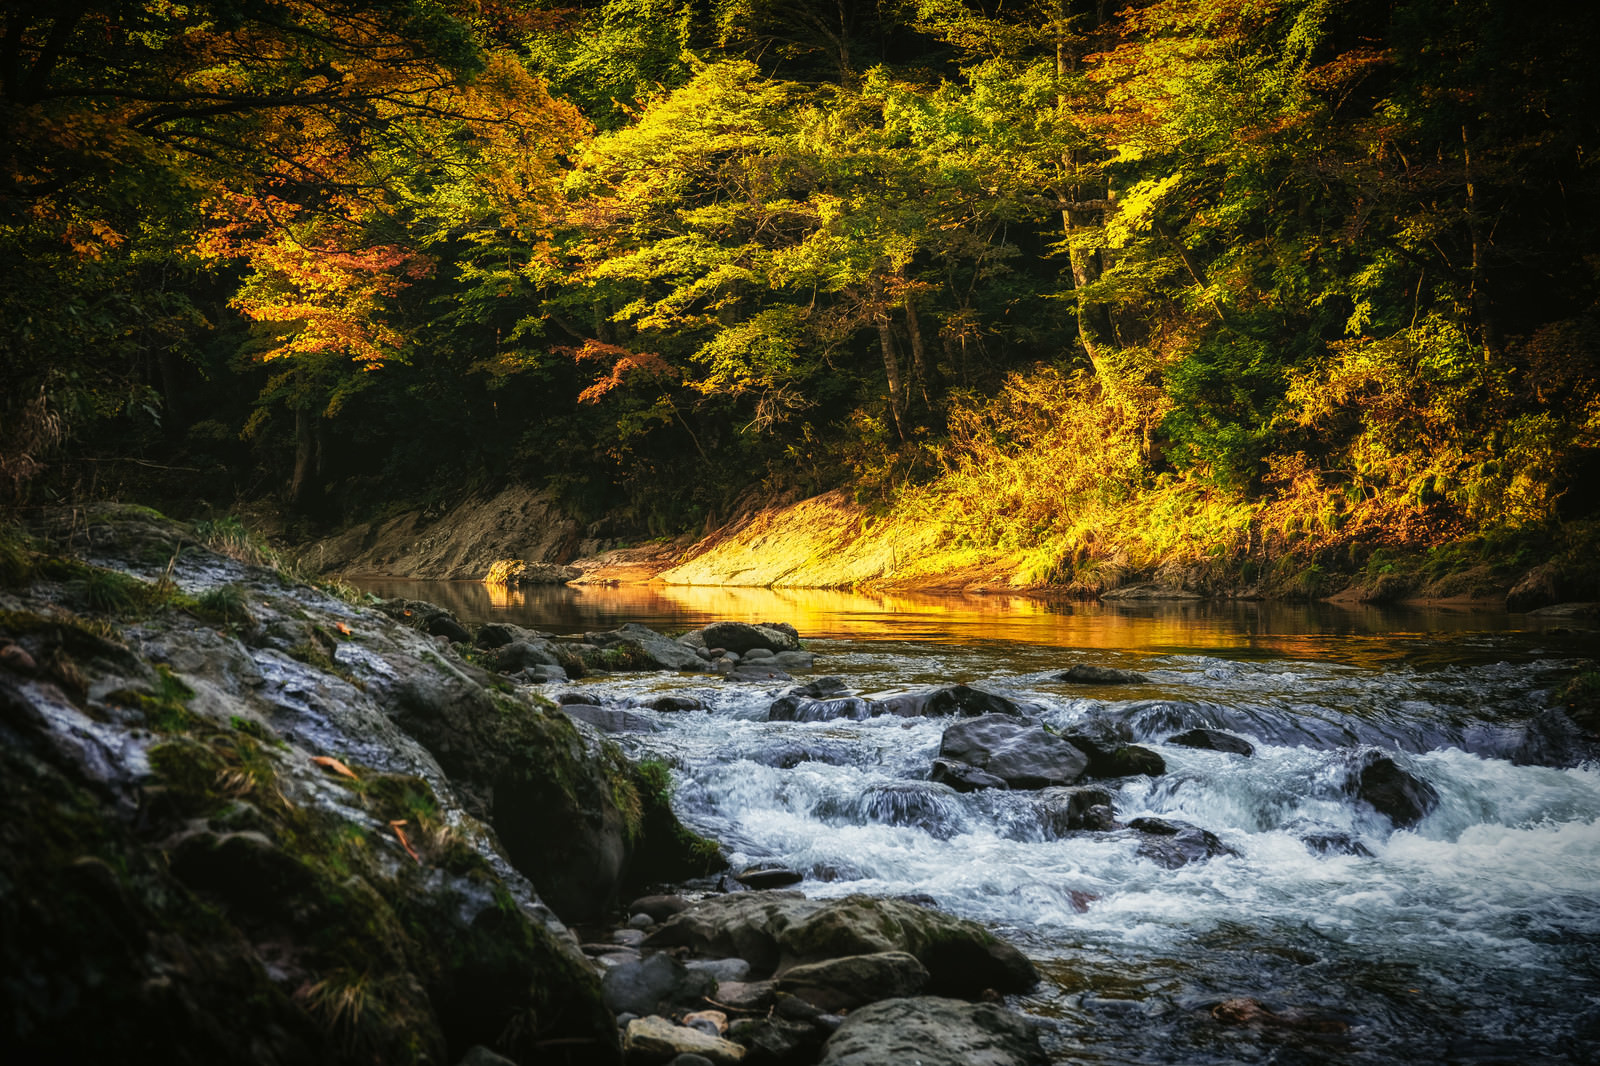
(1471,937)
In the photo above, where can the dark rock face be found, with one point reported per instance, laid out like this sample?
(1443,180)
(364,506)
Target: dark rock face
(740,637)
(1089,674)
(1173,844)
(1404,799)
(962,777)
(1117,760)
(1065,810)
(183,881)
(934,1032)
(1213,740)
(855,980)
(1018,751)
(953,699)
(777,931)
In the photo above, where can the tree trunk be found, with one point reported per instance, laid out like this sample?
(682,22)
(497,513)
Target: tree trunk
(891,370)
(919,361)
(1482,306)
(305,482)
(1095,330)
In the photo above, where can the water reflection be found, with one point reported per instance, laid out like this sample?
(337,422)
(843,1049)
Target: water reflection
(1237,630)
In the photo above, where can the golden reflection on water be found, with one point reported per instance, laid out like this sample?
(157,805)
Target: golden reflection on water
(1308,631)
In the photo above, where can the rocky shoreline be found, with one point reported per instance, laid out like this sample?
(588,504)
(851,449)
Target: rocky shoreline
(246,813)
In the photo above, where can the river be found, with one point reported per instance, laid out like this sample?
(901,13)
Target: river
(1471,937)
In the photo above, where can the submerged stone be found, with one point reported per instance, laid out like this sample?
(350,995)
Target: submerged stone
(1213,740)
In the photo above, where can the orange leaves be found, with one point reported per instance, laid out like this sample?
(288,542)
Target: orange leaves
(398,827)
(328,762)
(623,363)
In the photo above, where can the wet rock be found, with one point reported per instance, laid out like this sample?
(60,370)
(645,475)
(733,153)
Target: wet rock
(430,618)
(774,931)
(952,699)
(478,1055)
(745,995)
(1116,760)
(854,980)
(925,805)
(1018,751)
(641,921)
(637,647)
(740,637)
(588,696)
(934,1032)
(493,635)
(611,719)
(1213,740)
(755,655)
(768,875)
(794,660)
(1334,842)
(820,688)
(963,777)
(1173,844)
(756,672)
(672,704)
(787,754)
(779,1041)
(655,1039)
(801,709)
(1090,674)
(1401,797)
(658,907)
(522,654)
(658,984)
(731,970)
(1100,818)
(1066,810)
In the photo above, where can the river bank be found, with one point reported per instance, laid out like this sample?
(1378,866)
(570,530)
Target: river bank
(829,541)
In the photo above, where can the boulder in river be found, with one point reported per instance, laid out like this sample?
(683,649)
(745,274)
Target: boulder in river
(637,647)
(855,980)
(951,699)
(1173,844)
(1090,674)
(963,777)
(795,708)
(1020,752)
(777,931)
(1064,810)
(1213,740)
(1117,760)
(740,637)
(1403,798)
(611,719)
(517,573)
(933,1031)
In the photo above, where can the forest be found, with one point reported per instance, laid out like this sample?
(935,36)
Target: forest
(1106,283)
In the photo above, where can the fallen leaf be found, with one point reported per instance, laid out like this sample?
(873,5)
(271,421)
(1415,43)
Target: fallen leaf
(328,762)
(341,627)
(404,843)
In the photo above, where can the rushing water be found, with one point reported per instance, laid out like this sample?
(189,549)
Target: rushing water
(1471,938)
